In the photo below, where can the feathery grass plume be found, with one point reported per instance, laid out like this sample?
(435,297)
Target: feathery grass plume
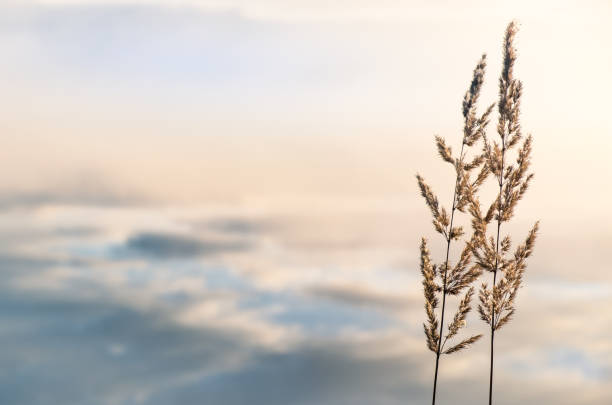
(442,280)
(491,254)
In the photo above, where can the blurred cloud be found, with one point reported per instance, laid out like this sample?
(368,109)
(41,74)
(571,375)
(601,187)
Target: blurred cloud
(58,341)
(194,329)
(363,296)
(77,196)
(19,264)
(327,373)
(308,10)
(205,67)
(242,226)
(168,246)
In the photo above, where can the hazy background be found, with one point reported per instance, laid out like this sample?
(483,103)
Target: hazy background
(214,201)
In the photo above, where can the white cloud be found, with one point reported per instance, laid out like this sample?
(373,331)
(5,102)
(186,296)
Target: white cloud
(362,10)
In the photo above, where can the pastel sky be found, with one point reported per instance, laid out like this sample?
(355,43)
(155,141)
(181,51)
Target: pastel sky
(214,201)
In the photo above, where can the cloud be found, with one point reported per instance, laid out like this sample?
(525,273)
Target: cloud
(180,332)
(323,374)
(130,45)
(321,10)
(364,296)
(72,351)
(76,231)
(16,265)
(354,372)
(236,225)
(173,246)
(74,189)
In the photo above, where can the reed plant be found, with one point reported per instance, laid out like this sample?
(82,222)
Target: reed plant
(442,280)
(492,253)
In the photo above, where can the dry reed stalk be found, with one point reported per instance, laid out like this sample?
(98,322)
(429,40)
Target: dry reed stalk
(441,280)
(493,254)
